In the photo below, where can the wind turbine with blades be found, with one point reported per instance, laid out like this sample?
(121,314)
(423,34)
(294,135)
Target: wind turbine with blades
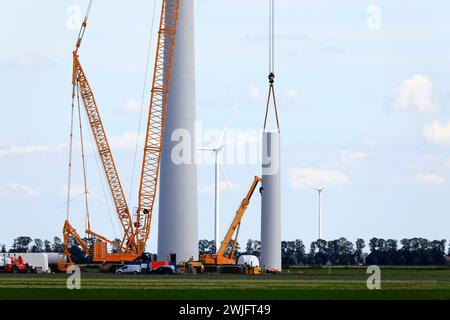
(217,149)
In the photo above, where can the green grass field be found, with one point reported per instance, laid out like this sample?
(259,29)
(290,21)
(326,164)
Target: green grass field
(316,283)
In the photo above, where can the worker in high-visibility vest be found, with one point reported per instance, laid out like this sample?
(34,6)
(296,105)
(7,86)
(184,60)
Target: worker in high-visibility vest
(202,268)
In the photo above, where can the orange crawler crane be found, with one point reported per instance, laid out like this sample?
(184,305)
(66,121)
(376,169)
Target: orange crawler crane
(224,261)
(136,229)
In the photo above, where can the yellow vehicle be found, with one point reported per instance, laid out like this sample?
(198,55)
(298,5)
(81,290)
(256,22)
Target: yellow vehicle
(224,261)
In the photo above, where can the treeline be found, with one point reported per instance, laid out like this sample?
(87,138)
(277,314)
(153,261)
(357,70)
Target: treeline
(26,244)
(415,251)
(407,252)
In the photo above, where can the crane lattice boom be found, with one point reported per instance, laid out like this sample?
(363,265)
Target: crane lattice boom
(104,151)
(156,120)
(136,231)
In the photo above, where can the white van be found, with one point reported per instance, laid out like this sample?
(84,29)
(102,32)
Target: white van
(132,268)
(4,261)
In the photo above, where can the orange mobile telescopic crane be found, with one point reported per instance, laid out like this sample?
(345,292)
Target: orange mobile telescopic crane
(136,230)
(225,255)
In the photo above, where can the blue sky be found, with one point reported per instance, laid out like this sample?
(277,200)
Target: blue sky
(364,111)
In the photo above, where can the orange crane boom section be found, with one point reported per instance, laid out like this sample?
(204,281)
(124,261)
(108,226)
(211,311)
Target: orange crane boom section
(222,257)
(136,231)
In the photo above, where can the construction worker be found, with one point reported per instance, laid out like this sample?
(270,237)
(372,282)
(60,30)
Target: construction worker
(202,268)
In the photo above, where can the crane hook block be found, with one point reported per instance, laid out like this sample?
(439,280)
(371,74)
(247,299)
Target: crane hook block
(271,78)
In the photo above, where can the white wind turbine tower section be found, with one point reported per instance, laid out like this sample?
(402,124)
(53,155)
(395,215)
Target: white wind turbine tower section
(217,149)
(320,190)
(178,207)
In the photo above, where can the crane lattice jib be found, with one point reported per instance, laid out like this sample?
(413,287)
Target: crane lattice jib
(104,152)
(156,121)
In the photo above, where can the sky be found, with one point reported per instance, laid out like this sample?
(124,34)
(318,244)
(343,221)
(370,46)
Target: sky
(363,97)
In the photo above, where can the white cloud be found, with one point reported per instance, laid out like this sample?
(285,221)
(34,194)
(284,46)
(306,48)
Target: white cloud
(254,93)
(415,93)
(292,98)
(429,179)
(126,142)
(348,156)
(308,177)
(31,62)
(14,189)
(437,133)
(21,150)
(130,106)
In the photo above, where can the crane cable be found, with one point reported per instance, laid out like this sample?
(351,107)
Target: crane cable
(142,105)
(271,36)
(271,95)
(69,174)
(76,93)
(83,159)
(102,177)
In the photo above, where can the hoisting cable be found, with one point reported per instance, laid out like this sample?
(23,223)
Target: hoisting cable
(102,177)
(144,89)
(69,178)
(69,174)
(271,95)
(83,159)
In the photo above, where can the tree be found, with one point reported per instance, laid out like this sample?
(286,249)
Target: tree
(229,247)
(38,246)
(206,246)
(77,255)
(360,244)
(448,253)
(57,245)
(373,244)
(318,252)
(249,246)
(3,250)
(299,252)
(47,246)
(312,253)
(253,247)
(288,255)
(437,252)
(21,244)
(345,251)
(391,255)
(340,251)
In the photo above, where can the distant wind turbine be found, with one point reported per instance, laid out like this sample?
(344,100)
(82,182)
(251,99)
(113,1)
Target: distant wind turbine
(320,190)
(217,149)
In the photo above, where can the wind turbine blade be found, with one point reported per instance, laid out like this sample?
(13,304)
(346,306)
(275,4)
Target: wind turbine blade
(74,198)
(225,127)
(97,197)
(222,171)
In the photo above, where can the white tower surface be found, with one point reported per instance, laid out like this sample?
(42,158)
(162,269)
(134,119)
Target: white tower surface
(271,202)
(178,221)
(320,190)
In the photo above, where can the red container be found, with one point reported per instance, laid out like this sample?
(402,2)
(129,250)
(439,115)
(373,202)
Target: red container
(157,264)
